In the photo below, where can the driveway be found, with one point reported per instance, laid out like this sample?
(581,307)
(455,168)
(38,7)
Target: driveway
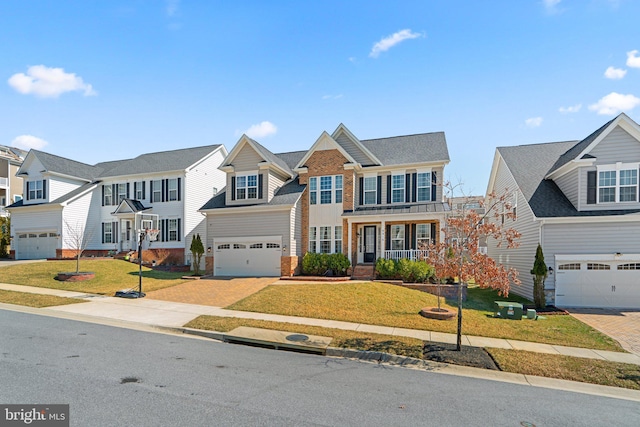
(621,325)
(218,292)
(8,262)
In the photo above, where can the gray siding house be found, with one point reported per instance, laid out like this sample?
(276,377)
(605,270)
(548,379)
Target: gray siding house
(580,201)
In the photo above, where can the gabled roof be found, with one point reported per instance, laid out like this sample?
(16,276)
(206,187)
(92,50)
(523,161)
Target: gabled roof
(129,206)
(322,143)
(353,145)
(61,165)
(287,195)
(265,154)
(409,149)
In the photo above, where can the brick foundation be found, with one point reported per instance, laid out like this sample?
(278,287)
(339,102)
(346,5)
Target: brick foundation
(208,264)
(290,266)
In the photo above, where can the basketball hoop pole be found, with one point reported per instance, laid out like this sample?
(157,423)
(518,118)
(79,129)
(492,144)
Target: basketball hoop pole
(143,233)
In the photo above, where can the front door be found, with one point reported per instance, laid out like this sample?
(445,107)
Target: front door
(369,243)
(125,235)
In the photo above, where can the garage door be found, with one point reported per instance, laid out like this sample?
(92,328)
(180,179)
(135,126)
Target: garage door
(244,257)
(38,245)
(607,283)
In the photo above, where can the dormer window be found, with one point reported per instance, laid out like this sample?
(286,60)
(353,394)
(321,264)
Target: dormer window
(246,187)
(618,183)
(35,190)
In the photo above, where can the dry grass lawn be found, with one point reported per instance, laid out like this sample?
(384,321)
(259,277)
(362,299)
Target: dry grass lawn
(34,300)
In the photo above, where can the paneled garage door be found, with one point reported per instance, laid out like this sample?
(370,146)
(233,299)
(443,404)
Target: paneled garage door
(247,257)
(36,245)
(598,282)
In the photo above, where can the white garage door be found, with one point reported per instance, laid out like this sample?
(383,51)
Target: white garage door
(598,282)
(248,257)
(36,245)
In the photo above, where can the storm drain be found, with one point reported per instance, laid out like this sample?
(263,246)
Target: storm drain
(278,340)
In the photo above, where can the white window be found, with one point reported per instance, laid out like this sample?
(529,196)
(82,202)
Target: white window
(325,190)
(337,242)
(173,230)
(122,192)
(16,198)
(397,237)
(173,189)
(139,190)
(312,240)
(246,187)
(423,235)
(325,240)
(107,195)
(107,236)
(424,187)
(397,189)
(338,181)
(35,189)
(618,183)
(157,191)
(313,191)
(370,190)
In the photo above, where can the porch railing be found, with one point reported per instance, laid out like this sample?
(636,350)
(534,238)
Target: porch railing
(412,254)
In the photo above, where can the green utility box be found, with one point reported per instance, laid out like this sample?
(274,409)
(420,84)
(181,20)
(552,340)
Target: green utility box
(508,310)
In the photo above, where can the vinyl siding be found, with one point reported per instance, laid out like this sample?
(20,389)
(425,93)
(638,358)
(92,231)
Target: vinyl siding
(295,230)
(522,257)
(36,220)
(247,159)
(76,214)
(249,224)
(570,186)
(353,150)
(33,169)
(58,186)
(272,183)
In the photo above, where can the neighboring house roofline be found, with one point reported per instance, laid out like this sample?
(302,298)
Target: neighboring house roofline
(221,148)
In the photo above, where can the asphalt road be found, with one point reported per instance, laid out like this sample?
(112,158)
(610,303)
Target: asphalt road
(194,382)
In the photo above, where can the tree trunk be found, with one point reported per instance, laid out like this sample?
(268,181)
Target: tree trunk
(459,335)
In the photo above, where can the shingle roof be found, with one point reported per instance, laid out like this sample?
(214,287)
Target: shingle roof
(288,194)
(62,165)
(407,149)
(292,158)
(70,195)
(529,164)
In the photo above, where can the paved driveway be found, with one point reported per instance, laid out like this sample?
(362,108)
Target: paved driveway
(8,262)
(621,325)
(218,292)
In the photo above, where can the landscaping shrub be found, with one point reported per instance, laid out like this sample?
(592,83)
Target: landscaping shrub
(314,264)
(407,270)
(387,268)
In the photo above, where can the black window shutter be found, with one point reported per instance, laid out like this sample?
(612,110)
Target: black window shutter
(407,185)
(179,189)
(128,193)
(407,236)
(114,232)
(103,232)
(143,192)
(379,190)
(114,193)
(433,233)
(591,187)
(414,187)
(388,189)
(28,186)
(361,181)
(164,189)
(434,180)
(179,236)
(150,191)
(163,231)
(260,182)
(233,188)
(103,195)
(135,190)
(414,239)
(44,188)
(387,237)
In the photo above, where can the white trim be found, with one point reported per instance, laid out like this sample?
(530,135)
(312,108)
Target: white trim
(242,209)
(634,217)
(257,239)
(324,137)
(596,257)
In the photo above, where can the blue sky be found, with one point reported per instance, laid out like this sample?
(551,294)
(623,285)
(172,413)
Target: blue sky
(104,80)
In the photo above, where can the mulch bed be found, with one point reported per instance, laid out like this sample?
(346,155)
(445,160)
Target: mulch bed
(549,310)
(475,357)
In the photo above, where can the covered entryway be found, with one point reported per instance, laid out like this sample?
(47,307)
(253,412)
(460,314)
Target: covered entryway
(244,256)
(36,245)
(602,281)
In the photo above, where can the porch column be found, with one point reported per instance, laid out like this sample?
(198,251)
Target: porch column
(383,237)
(350,252)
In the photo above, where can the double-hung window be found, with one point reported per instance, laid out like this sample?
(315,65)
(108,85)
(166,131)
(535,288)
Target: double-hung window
(122,192)
(370,190)
(139,190)
(107,236)
(325,240)
(337,241)
(607,184)
(424,186)
(313,237)
(173,189)
(107,195)
(246,187)
(397,188)
(35,189)
(313,191)
(172,227)
(629,185)
(325,190)
(397,237)
(338,182)
(157,190)
(618,183)
(423,235)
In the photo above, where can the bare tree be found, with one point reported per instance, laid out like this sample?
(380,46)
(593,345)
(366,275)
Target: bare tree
(77,238)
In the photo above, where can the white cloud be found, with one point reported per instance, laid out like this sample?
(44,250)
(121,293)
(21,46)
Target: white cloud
(614,103)
(392,40)
(49,82)
(551,6)
(27,142)
(633,60)
(615,73)
(172,7)
(570,109)
(261,130)
(533,122)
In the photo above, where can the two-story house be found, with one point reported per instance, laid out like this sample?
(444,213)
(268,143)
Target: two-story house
(10,185)
(367,199)
(580,200)
(111,202)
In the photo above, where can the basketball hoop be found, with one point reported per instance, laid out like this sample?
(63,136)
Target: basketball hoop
(152,234)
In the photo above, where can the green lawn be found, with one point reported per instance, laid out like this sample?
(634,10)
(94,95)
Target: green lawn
(34,300)
(389,305)
(111,276)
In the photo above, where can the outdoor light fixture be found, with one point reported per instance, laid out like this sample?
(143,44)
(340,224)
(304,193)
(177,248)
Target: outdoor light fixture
(209,250)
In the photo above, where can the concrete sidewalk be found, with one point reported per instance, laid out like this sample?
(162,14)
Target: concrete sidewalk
(175,314)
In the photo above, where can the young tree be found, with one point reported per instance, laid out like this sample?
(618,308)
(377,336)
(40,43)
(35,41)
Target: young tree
(457,255)
(77,239)
(5,235)
(539,273)
(197,249)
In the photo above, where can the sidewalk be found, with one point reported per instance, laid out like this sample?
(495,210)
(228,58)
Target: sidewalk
(175,314)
